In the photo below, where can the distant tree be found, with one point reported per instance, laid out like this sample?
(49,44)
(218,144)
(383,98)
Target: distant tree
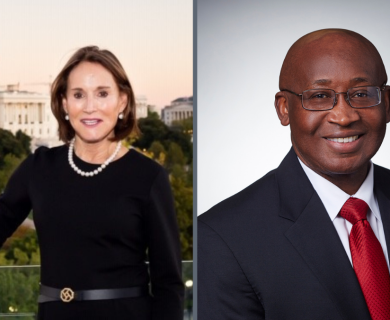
(153,129)
(18,290)
(9,144)
(179,172)
(156,148)
(19,286)
(184,131)
(25,141)
(23,251)
(158,152)
(183,206)
(13,149)
(183,140)
(190,175)
(185,125)
(175,156)
(3,260)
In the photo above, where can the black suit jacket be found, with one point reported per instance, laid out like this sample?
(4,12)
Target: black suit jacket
(271,252)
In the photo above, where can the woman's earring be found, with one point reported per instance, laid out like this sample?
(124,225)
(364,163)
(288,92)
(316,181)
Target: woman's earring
(120,116)
(67,117)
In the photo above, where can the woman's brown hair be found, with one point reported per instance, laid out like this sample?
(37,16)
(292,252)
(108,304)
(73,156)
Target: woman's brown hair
(125,126)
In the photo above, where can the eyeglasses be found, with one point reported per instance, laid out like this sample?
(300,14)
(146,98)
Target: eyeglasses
(326,99)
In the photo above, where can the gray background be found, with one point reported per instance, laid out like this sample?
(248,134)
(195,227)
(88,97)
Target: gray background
(240,50)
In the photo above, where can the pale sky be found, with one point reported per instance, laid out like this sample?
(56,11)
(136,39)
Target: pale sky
(153,39)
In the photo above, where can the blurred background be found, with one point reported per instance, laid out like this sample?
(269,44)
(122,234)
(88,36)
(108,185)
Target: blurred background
(241,46)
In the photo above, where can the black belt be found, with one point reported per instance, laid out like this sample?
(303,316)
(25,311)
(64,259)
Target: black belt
(67,295)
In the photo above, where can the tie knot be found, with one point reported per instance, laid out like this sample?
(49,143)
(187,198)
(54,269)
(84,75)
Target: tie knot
(354,210)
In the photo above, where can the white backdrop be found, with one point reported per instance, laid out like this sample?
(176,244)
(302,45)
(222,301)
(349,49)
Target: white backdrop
(241,47)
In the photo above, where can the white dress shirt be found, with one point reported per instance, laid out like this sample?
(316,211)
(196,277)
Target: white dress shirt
(334,198)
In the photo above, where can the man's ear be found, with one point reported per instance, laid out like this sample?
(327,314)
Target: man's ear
(386,98)
(281,106)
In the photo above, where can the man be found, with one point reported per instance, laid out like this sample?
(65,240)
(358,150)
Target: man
(310,239)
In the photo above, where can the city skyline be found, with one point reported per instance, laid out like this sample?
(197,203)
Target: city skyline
(152,39)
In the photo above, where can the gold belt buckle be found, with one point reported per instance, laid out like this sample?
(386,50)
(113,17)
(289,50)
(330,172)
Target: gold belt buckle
(67,295)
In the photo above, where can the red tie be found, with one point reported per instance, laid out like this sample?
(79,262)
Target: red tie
(368,260)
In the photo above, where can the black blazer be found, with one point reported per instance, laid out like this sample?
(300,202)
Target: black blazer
(271,252)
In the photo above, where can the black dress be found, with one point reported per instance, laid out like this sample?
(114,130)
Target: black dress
(96,232)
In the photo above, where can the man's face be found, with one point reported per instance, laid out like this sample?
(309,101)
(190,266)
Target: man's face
(339,66)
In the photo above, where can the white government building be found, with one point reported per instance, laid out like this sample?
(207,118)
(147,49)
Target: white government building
(31,113)
(180,109)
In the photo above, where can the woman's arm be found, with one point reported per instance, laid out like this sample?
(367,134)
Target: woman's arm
(15,202)
(164,252)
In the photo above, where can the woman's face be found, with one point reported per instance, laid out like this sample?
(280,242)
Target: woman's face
(93,102)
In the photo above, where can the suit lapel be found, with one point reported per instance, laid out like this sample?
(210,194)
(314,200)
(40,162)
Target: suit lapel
(382,193)
(314,237)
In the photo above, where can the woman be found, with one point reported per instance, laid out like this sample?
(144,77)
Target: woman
(98,207)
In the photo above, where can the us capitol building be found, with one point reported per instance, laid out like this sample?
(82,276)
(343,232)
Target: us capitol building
(31,113)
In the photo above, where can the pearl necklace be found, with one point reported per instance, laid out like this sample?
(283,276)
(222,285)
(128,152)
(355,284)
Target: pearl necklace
(96,171)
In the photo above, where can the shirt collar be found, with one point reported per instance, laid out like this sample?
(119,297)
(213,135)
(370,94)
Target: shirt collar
(334,198)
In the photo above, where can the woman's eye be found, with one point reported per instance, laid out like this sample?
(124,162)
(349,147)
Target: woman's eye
(103,94)
(78,95)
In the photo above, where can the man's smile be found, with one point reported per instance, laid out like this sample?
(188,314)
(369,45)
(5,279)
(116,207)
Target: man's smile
(344,140)
(344,143)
